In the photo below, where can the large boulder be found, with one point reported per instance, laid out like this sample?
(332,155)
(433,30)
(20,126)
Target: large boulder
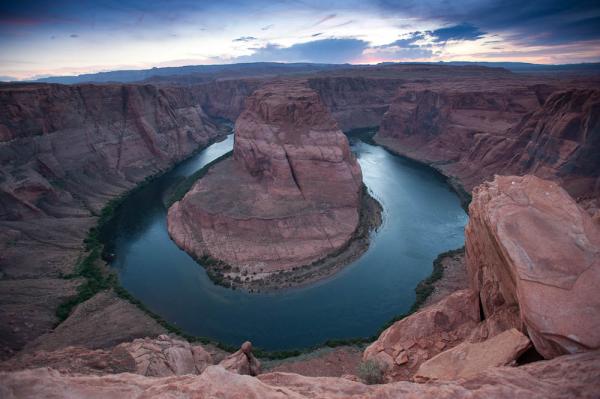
(531,246)
(165,356)
(401,348)
(290,196)
(468,359)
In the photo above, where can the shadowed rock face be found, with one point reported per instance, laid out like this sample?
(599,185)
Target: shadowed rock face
(65,151)
(561,141)
(290,195)
(529,244)
(474,132)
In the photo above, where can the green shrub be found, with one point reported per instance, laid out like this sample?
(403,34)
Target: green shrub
(370,372)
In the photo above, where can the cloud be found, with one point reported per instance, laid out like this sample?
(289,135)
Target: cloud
(73,35)
(325,19)
(533,22)
(334,51)
(462,31)
(245,39)
(267,27)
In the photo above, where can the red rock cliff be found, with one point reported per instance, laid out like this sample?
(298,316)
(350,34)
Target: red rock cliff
(530,245)
(473,132)
(65,151)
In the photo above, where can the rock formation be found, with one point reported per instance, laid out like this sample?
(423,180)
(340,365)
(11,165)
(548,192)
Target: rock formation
(401,348)
(468,359)
(530,245)
(290,196)
(563,377)
(242,361)
(160,357)
(65,151)
(471,132)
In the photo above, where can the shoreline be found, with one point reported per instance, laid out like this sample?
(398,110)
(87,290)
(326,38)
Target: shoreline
(453,182)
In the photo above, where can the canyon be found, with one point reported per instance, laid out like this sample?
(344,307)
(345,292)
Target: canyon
(66,151)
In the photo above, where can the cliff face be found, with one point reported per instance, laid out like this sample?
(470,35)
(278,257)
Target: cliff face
(65,151)
(356,101)
(560,141)
(76,146)
(495,129)
(290,195)
(530,245)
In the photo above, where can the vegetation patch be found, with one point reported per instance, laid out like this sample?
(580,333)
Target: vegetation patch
(370,372)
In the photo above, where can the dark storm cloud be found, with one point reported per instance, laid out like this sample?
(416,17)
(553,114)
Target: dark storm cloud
(334,51)
(532,22)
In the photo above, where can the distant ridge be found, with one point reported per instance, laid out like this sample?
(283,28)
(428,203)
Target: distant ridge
(243,69)
(278,68)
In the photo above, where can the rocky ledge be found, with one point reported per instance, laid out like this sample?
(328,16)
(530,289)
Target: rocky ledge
(291,196)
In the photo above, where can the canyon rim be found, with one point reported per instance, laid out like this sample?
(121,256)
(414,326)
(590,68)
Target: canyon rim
(313,175)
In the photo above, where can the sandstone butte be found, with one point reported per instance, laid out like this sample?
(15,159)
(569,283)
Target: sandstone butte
(290,196)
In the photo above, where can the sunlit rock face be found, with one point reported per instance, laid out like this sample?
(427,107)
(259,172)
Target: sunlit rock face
(289,196)
(530,245)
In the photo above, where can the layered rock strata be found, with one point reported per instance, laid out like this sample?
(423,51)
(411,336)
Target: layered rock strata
(65,151)
(472,132)
(290,196)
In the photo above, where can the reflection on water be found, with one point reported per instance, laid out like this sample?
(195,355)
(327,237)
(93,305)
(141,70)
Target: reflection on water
(422,217)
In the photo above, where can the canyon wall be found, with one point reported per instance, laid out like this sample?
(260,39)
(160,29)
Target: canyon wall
(290,196)
(471,132)
(65,151)
(356,101)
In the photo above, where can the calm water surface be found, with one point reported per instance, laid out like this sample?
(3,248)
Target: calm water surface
(422,217)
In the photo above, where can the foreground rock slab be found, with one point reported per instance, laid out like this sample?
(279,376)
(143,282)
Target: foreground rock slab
(159,357)
(530,245)
(290,196)
(468,359)
(565,377)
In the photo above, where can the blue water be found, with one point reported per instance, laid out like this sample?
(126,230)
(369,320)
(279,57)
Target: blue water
(422,217)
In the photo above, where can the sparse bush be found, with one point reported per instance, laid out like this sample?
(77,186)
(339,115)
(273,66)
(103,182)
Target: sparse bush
(370,372)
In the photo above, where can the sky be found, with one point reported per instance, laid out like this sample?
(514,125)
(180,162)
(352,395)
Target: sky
(67,37)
